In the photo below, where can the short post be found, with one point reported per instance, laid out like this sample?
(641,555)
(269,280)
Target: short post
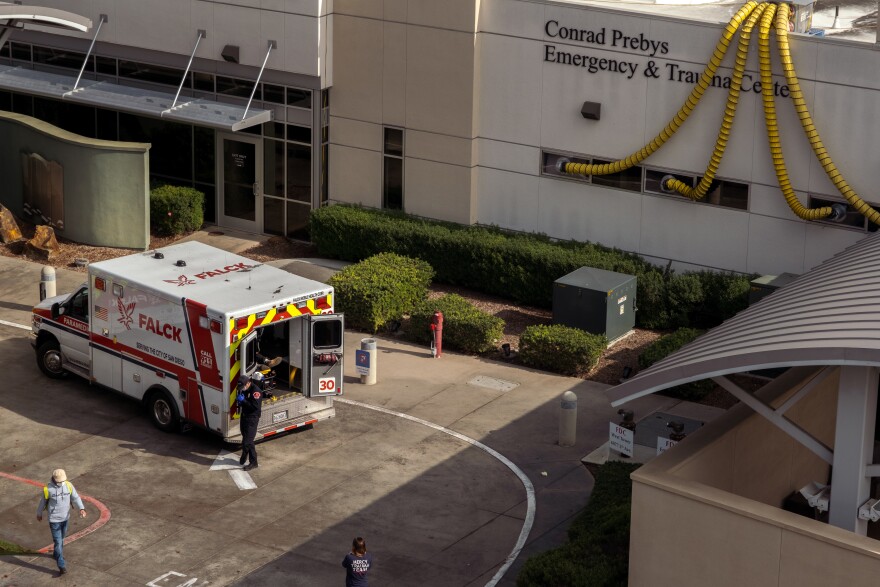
(437,334)
(366,361)
(568,419)
(47,283)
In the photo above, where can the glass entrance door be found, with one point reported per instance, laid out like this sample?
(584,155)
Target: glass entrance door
(240,162)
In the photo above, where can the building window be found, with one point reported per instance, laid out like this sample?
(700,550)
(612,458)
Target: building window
(299,98)
(62,58)
(628,179)
(324,192)
(654,179)
(146,72)
(392,171)
(549,161)
(852,218)
(730,194)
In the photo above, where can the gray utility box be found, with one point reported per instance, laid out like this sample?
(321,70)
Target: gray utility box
(763,286)
(595,300)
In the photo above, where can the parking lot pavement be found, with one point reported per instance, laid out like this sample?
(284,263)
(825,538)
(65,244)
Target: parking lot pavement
(434,508)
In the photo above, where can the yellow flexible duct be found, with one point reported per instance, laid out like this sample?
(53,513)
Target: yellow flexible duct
(733,92)
(682,115)
(803,112)
(773,128)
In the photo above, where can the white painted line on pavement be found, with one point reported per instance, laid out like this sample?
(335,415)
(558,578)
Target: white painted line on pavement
(228,461)
(530,490)
(14,325)
(225,460)
(242,479)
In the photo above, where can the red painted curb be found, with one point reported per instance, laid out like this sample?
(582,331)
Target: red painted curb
(103,518)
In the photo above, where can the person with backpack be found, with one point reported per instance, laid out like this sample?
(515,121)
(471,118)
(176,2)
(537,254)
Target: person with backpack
(56,498)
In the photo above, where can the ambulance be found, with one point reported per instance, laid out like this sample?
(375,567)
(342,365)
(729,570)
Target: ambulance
(174,328)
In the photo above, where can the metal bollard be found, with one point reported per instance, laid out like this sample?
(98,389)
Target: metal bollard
(369,345)
(568,419)
(437,334)
(47,283)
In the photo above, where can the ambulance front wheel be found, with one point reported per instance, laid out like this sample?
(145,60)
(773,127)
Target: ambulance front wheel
(163,411)
(49,360)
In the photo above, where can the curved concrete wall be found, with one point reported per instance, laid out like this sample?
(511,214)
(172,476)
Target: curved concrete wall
(105,183)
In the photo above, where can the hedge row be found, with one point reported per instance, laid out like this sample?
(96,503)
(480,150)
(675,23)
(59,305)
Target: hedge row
(380,289)
(560,349)
(465,328)
(523,267)
(175,210)
(597,551)
(666,345)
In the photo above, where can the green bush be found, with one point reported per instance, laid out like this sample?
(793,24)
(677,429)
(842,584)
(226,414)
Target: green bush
(560,349)
(516,266)
(465,328)
(523,267)
(597,553)
(665,346)
(176,210)
(380,289)
(724,295)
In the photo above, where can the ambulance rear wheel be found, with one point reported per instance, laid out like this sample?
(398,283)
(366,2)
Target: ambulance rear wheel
(163,411)
(49,360)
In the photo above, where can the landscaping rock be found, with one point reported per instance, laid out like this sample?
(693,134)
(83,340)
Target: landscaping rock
(44,246)
(9,231)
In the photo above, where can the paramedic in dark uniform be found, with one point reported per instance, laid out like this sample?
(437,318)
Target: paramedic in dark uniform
(250,398)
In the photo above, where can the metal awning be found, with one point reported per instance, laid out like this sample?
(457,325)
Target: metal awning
(44,16)
(130,99)
(828,316)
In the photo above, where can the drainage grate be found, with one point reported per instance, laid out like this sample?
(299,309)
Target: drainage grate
(492,383)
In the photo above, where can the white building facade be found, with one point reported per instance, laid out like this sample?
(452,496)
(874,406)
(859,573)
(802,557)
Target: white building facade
(459,110)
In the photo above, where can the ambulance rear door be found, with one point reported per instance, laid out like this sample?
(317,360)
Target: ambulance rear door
(322,347)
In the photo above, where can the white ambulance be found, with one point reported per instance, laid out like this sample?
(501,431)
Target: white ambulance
(175,328)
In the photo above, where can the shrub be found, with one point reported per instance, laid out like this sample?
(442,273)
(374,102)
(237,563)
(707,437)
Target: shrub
(522,267)
(380,289)
(597,553)
(724,295)
(665,346)
(465,328)
(684,293)
(560,348)
(176,210)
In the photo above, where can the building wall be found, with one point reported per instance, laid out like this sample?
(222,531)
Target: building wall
(709,511)
(408,65)
(526,103)
(106,190)
(300,27)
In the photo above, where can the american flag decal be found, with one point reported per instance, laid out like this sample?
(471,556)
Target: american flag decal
(101,313)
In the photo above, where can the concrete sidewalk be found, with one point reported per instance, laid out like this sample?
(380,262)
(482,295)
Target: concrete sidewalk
(510,409)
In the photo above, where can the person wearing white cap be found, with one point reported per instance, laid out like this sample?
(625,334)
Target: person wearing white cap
(57,496)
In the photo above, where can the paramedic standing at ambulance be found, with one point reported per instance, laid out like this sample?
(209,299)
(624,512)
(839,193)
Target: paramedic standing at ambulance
(56,497)
(250,398)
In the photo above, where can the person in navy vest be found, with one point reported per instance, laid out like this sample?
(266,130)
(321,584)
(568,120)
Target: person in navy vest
(250,398)
(357,564)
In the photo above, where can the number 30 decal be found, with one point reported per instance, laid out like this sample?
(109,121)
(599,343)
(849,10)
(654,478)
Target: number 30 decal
(327,385)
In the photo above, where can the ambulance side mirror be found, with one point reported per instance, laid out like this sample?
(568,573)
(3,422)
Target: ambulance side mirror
(56,310)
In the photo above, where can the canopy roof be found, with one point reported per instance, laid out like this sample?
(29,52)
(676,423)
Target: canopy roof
(44,16)
(130,99)
(828,316)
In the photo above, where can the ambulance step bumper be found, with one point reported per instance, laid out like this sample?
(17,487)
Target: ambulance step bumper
(269,431)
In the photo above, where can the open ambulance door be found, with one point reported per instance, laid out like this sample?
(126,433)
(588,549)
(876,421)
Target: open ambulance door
(318,353)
